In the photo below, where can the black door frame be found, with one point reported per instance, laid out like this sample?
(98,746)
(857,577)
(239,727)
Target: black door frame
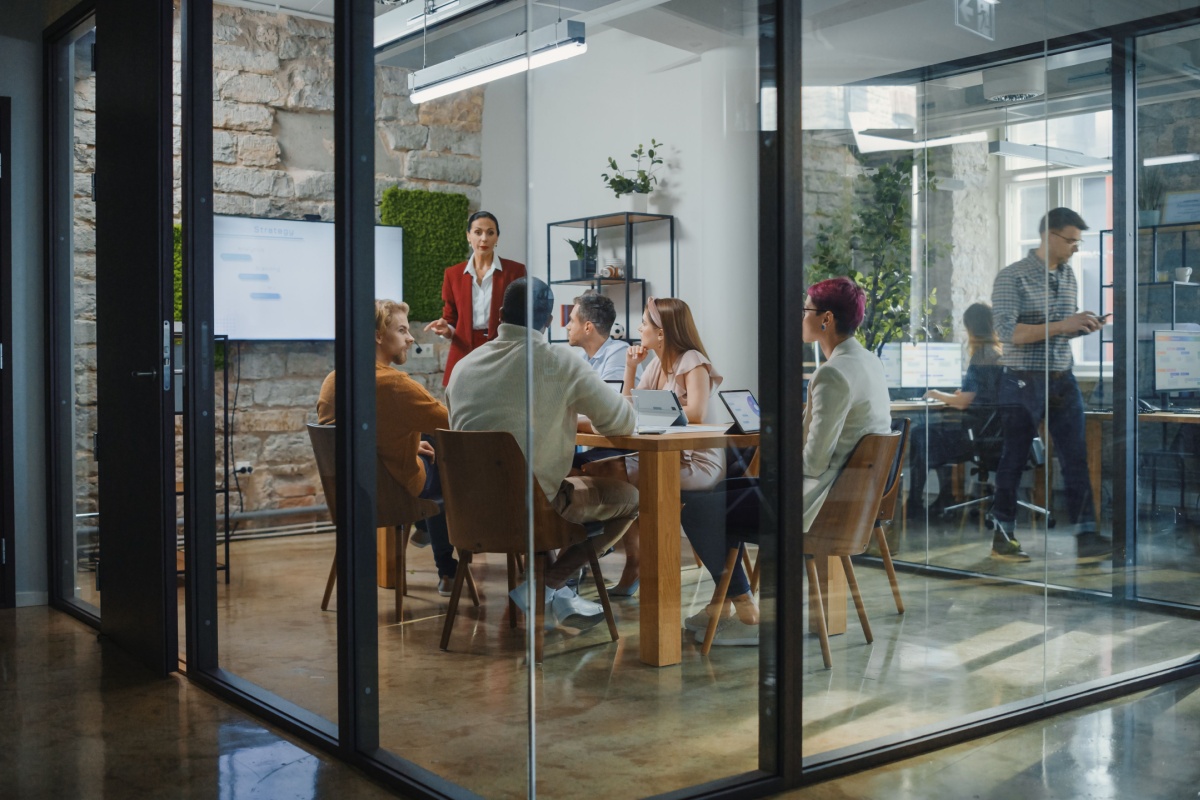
(8,550)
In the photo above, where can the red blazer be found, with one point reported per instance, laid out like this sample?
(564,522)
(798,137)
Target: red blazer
(456,302)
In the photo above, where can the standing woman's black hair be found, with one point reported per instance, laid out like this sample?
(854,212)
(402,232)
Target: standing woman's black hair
(481,215)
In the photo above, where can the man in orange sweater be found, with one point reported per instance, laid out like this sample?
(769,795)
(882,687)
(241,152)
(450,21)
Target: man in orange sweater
(406,415)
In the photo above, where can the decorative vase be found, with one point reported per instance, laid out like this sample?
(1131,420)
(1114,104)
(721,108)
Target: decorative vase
(635,202)
(1147,219)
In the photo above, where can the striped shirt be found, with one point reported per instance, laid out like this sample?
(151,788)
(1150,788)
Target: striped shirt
(1027,293)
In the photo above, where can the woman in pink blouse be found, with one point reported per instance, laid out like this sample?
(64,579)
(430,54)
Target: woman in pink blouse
(681,365)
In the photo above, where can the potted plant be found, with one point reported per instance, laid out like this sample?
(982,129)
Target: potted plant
(1150,189)
(635,183)
(584,265)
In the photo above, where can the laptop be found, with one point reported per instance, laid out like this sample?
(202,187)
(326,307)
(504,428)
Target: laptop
(616,386)
(743,407)
(657,410)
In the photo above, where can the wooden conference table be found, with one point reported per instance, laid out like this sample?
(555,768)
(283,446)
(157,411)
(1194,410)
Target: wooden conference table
(658,487)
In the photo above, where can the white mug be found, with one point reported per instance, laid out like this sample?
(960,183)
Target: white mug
(1183,274)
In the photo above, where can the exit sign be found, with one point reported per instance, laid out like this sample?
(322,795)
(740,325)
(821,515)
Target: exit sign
(977,16)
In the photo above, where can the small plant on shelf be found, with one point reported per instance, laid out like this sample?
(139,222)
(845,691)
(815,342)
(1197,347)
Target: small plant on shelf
(583,250)
(1150,189)
(638,180)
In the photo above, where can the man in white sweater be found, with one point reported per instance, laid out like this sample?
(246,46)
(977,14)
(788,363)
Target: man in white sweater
(488,392)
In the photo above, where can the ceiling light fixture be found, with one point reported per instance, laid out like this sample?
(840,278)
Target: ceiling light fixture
(1181,158)
(412,17)
(1037,175)
(552,43)
(1055,156)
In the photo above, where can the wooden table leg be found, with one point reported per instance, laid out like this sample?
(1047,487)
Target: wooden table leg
(659,596)
(385,558)
(1094,438)
(832,580)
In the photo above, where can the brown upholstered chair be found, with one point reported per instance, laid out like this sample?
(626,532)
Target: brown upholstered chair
(484,487)
(887,508)
(844,524)
(395,509)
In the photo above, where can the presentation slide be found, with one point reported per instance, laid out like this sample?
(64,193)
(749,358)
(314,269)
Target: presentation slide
(890,356)
(1176,361)
(926,365)
(273,279)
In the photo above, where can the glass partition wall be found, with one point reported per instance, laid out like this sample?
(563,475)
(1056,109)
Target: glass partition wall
(976,199)
(925,176)
(75,416)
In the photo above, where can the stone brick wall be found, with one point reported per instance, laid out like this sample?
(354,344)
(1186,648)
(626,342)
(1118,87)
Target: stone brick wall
(273,158)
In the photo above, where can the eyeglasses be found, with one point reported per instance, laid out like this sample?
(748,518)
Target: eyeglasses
(808,310)
(1072,242)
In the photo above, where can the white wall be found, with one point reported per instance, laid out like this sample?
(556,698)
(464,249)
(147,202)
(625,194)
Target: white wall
(622,92)
(20,79)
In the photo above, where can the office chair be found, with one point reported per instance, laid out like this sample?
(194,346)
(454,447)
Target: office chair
(987,444)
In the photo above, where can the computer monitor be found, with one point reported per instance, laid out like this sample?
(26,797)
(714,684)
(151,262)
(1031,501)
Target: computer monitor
(1176,361)
(889,354)
(931,364)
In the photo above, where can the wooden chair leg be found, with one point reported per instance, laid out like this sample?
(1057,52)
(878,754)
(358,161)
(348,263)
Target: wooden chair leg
(601,590)
(512,584)
(464,569)
(696,556)
(848,566)
(886,553)
(539,607)
(401,533)
(329,585)
(718,599)
(814,597)
(472,589)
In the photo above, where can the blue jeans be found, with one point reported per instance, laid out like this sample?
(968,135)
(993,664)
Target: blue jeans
(1024,396)
(439,534)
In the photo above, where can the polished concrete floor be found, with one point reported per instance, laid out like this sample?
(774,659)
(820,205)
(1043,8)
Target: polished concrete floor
(965,645)
(79,720)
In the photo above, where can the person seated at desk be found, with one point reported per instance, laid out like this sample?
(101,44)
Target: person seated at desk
(488,392)
(847,399)
(589,327)
(681,365)
(944,441)
(406,415)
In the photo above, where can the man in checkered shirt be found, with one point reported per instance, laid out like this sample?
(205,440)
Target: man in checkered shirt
(1035,313)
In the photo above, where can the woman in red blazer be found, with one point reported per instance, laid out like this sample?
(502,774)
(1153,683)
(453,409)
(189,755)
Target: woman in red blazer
(472,291)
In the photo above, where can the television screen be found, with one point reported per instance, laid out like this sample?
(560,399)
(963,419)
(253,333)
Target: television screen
(1176,361)
(273,278)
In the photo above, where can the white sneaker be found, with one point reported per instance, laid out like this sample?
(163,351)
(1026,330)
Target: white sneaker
(698,622)
(518,596)
(573,610)
(732,632)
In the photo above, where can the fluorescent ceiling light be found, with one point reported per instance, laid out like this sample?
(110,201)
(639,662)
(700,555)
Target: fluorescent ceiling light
(414,16)
(867,143)
(1037,175)
(1181,158)
(548,45)
(1055,156)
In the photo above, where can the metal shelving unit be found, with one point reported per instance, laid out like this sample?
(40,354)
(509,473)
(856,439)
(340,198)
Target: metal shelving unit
(630,222)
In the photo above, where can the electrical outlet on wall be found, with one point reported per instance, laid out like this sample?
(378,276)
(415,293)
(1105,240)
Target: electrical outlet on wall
(243,467)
